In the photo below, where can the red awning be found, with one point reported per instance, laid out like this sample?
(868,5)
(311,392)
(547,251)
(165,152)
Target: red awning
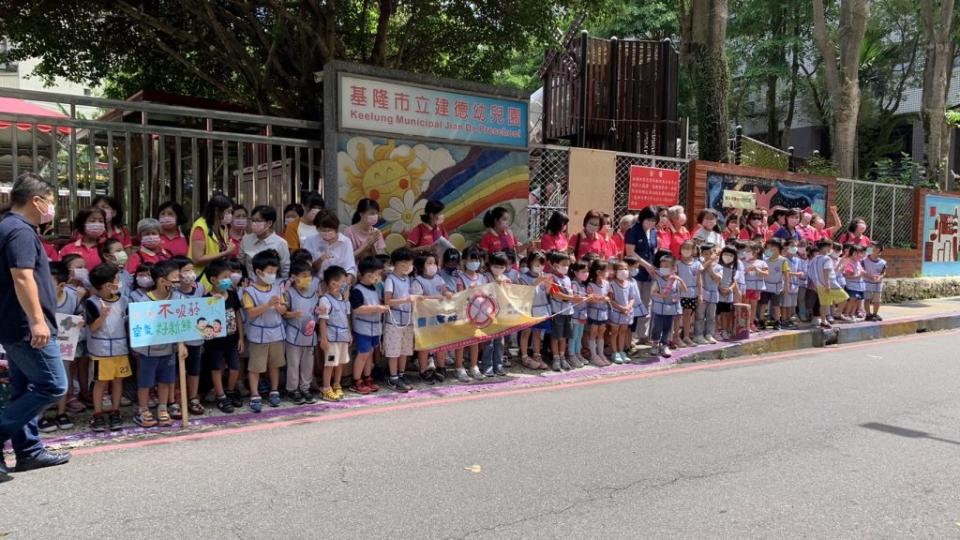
(19,106)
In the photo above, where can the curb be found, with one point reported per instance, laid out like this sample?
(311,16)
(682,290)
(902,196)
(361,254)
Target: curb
(761,343)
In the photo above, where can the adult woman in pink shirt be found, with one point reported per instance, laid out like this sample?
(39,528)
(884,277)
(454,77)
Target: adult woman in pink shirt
(366,238)
(555,237)
(171,218)
(678,230)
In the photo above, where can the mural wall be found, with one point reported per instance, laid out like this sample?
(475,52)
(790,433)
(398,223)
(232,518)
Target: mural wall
(401,175)
(768,193)
(940,235)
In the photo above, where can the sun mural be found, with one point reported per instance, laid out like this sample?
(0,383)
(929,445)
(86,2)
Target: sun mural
(385,177)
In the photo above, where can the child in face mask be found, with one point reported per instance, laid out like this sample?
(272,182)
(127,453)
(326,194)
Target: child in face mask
(789,300)
(68,303)
(541,308)
(598,311)
(579,274)
(334,310)
(224,352)
(142,282)
(755,270)
(562,300)
(265,307)
(666,291)
(398,326)
(727,279)
(470,278)
(189,288)
(711,276)
(622,303)
(111,251)
(429,284)
(492,359)
(874,270)
(689,269)
(300,329)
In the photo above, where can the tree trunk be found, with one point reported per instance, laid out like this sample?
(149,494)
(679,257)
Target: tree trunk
(794,81)
(937,26)
(841,61)
(705,25)
(777,56)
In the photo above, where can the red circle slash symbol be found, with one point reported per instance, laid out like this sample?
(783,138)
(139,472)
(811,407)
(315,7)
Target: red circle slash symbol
(481,310)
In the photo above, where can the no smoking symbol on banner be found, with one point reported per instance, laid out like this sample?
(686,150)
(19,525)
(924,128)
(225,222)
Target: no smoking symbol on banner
(481,311)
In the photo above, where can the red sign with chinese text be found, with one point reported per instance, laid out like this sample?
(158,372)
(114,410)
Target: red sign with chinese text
(652,186)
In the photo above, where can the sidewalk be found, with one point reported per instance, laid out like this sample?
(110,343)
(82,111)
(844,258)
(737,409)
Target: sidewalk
(902,319)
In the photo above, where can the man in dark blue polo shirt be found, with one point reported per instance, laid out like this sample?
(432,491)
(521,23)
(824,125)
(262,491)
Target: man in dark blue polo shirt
(27,303)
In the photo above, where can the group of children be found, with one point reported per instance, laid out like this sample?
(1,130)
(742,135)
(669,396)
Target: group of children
(593,310)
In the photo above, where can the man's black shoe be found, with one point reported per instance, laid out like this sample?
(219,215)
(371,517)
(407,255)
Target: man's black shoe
(41,460)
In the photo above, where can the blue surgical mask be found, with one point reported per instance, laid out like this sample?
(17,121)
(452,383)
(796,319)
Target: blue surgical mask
(225,284)
(869,251)
(768,253)
(473,266)
(344,289)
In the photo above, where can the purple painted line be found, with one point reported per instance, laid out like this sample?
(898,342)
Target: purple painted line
(426,392)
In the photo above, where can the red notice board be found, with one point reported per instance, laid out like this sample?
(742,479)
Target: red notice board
(651,186)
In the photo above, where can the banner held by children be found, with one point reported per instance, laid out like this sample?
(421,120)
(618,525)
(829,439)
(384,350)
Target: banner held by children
(473,316)
(176,321)
(68,334)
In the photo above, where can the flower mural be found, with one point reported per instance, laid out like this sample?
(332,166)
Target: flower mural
(404,214)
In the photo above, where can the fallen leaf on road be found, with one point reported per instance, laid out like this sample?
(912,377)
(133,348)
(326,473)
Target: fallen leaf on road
(474,469)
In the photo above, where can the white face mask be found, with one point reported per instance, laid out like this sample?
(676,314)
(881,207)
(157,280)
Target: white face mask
(562,270)
(268,279)
(79,274)
(591,228)
(664,272)
(188,278)
(430,270)
(623,274)
(372,219)
(497,270)
(120,257)
(144,282)
(287,221)
(473,266)
(727,259)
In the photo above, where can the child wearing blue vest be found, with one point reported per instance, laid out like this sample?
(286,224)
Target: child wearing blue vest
(541,308)
(690,271)
(874,269)
(157,364)
(706,323)
(398,326)
(790,300)
(623,303)
(469,278)
(755,274)
(106,318)
(776,282)
(366,305)
(68,303)
(578,323)
(429,284)
(598,311)
(666,293)
(562,300)
(300,325)
(190,288)
(263,302)
(493,350)
(334,319)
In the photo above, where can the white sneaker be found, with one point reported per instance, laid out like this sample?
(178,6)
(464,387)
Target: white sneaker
(665,351)
(711,340)
(462,375)
(475,373)
(700,340)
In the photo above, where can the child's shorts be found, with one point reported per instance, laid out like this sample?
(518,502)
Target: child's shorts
(543,326)
(773,298)
(194,360)
(365,344)
(266,355)
(857,295)
(751,295)
(219,357)
(153,370)
(595,322)
(829,297)
(688,303)
(560,327)
(337,355)
(397,340)
(788,300)
(724,307)
(108,368)
(874,296)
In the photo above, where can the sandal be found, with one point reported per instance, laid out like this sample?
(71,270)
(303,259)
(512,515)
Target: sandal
(529,363)
(195,407)
(163,418)
(541,365)
(174,409)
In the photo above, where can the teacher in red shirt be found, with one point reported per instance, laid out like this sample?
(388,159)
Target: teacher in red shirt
(498,236)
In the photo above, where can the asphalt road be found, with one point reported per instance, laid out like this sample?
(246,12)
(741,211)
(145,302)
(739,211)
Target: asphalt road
(861,442)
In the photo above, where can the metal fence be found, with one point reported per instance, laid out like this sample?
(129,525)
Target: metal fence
(887,208)
(549,186)
(549,182)
(144,153)
(622,186)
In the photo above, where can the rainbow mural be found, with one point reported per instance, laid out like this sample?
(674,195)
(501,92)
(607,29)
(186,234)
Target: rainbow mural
(402,175)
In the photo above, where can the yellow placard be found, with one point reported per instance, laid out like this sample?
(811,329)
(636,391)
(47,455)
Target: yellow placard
(472,316)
